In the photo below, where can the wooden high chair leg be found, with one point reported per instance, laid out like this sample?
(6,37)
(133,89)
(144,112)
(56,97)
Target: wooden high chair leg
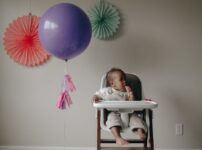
(144,118)
(145,143)
(151,130)
(98,130)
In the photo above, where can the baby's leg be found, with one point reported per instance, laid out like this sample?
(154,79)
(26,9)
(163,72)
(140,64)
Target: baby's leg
(140,132)
(114,123)
(116,133)
(138,126)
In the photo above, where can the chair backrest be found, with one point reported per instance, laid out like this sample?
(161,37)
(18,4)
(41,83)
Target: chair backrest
(131,80)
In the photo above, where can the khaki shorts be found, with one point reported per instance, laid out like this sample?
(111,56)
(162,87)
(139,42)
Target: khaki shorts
(116,119)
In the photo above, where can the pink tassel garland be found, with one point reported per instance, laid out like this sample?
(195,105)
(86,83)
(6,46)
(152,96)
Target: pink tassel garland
(64,97)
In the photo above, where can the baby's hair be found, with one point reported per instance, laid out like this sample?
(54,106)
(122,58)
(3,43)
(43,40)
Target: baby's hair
(123,75)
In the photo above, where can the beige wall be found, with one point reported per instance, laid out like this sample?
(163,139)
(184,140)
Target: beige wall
(159,40)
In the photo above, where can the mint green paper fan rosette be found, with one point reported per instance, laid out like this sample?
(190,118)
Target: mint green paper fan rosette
(105,20)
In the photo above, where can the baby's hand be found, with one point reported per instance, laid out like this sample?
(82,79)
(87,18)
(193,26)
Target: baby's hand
(130,93)
(128,89)
(96,99)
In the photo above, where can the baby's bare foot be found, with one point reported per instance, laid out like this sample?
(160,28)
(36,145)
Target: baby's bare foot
(121,141)
(141,134)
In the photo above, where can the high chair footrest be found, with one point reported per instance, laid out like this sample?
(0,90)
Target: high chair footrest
(129,141)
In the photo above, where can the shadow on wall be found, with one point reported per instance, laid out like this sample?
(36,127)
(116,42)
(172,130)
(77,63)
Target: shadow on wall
(138,50)
(143,53)
(185,108)
(128,50)
(133,52)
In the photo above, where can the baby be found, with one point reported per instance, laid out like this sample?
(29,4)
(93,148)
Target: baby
(118,90)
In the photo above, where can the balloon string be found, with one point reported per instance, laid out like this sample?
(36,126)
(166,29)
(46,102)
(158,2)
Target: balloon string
(66,67)
(64,130)
(30,6)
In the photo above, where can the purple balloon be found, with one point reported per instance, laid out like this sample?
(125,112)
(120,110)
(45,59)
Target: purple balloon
(65,30)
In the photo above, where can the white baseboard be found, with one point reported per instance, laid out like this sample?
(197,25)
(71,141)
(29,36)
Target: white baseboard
(44,148)
(68,148)
(178,149)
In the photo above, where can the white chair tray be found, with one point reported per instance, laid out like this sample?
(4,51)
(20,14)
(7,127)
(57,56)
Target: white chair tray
(124,105)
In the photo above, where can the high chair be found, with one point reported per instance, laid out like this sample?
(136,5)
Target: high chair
(142,107)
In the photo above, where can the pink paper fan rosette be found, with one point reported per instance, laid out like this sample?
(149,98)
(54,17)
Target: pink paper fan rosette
(21,41)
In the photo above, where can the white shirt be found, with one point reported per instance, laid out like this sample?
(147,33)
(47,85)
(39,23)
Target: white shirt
(110,93)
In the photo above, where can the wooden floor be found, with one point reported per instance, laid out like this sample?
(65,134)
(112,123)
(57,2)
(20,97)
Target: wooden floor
(124,148)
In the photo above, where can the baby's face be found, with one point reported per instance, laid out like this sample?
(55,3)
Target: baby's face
(118,82)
